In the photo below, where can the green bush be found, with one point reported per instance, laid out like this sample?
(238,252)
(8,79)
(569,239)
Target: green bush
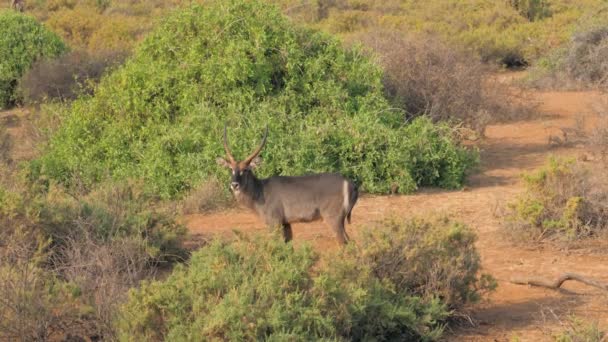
(561,200)
(263,289)
(426,257)
(22,42)
(160,116)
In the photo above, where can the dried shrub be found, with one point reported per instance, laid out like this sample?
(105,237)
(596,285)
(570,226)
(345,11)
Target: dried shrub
(35,305)
(583,63)
(587,57)
(432,258)
(103,272)
(423,76)
(208,196)
(67,262)
(562,201)
(66,77)
(114,209)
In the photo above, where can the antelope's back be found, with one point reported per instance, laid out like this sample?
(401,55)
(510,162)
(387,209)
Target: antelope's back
(309,195)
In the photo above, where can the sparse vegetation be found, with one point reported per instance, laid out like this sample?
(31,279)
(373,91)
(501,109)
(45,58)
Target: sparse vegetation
(562,201)
(22,42)
(229,292)
(581,331)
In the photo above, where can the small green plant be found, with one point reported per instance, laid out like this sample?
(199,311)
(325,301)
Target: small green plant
(560,201)
(581,331)
(22,41)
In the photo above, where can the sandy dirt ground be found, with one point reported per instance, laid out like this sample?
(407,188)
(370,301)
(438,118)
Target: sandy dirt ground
(513,311)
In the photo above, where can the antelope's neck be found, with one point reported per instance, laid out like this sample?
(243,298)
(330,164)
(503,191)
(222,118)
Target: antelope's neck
(251,195)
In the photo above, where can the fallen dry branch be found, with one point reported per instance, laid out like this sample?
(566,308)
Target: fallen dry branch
(536,281)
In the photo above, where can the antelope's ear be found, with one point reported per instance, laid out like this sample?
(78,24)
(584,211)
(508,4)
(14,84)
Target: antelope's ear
(222,162)
(255,162)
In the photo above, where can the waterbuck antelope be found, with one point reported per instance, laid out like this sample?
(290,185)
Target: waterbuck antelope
(283,200)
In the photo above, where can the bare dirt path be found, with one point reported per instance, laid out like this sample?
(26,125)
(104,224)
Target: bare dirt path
(530,314)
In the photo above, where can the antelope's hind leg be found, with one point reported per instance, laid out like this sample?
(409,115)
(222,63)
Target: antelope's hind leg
(287,232)
(337,225)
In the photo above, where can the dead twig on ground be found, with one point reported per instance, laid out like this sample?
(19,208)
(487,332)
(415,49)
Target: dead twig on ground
(542,282)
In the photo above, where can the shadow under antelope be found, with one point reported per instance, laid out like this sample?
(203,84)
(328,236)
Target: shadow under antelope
(283,200)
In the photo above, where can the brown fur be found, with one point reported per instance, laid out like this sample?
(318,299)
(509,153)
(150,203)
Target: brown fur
(281,200)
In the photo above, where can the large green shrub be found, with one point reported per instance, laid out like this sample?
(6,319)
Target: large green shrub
(22,42)
(262,289)
(160,117)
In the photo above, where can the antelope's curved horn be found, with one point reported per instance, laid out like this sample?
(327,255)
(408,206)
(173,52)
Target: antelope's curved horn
(258,150)
(226,148)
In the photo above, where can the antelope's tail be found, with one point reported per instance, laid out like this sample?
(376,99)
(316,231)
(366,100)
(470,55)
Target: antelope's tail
(350,196)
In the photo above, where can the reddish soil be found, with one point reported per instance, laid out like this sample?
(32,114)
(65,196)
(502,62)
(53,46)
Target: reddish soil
(513,311)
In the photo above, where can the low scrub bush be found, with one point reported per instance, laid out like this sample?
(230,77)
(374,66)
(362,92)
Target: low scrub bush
(587,58)
(103,272)
(263,289)
(580,63)
(22,42)
(598,138)
(114,210)
(561,201)
(66,77)
(36,305)
(431,258)
(160,116)
(68,261)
